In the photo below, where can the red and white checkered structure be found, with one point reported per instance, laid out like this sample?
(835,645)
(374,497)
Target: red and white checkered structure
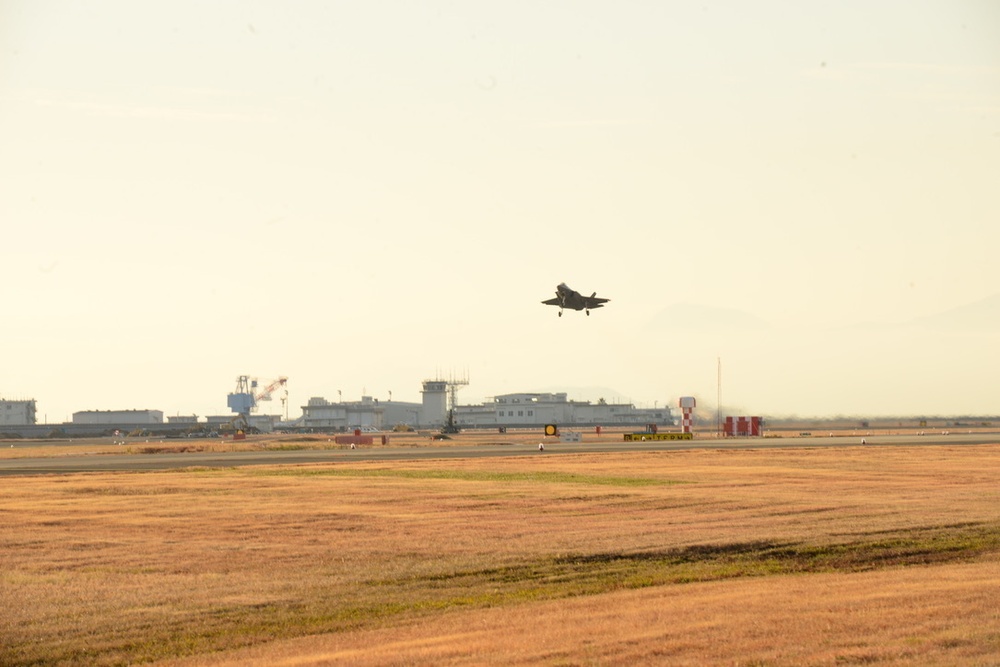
(687,405)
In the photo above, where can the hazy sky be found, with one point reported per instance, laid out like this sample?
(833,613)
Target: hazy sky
(363,195)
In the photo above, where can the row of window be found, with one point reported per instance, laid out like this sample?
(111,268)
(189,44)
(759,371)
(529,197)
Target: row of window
(520,413)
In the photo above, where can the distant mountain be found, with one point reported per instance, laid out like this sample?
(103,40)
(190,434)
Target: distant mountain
(705,319)
(982,315)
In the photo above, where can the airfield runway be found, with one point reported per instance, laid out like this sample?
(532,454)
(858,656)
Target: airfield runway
(60,465)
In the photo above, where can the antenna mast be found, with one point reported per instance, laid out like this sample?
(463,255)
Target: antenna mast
(454,384)
(718,401)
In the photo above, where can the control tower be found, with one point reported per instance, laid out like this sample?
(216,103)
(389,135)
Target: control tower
(435,402)
(439,396)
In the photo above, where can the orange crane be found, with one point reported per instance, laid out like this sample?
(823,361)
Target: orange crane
(265,393)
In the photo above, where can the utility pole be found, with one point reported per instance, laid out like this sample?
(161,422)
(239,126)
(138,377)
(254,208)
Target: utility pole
(718,401)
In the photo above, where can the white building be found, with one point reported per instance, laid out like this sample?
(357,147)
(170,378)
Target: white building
(320,413)
(187,421)
(402,412)
(118,417)
(509,410)
(476,416)
(529,409)
(434,410)
(17,413)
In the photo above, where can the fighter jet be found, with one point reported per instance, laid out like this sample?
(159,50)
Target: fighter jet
(570,298)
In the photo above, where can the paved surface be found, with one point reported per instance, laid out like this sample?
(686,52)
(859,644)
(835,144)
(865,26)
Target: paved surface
(144,462)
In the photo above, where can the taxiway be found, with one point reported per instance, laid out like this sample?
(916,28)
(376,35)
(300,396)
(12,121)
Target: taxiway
(75,464)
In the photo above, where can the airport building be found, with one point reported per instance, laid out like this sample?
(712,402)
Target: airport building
(370,413)
(520,410)
(320,413)
(17,413)
(118,417)
(528,409)
(263,423)
(476,416)
(523,410)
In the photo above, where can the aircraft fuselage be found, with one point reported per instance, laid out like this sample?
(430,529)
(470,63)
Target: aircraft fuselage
(566,297)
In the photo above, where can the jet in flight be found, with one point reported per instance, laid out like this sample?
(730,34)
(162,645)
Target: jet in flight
(570,298)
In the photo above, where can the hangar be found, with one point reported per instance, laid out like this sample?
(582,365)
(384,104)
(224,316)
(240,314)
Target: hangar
(17,413)
(520,410)
(531,409)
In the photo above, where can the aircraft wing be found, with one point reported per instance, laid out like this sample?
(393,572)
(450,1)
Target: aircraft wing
(553,302)
(594,302)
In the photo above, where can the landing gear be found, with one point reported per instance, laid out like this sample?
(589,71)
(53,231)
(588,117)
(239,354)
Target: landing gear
(560,313)
(588,313)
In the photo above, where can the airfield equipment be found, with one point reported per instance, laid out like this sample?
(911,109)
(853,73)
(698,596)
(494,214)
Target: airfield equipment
(449,425)
(743,426)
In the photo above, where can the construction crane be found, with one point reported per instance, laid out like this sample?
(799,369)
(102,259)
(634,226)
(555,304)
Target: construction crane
(244,400)
(265,394)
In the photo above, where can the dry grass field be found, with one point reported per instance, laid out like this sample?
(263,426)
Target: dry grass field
(27,448)
(858,555)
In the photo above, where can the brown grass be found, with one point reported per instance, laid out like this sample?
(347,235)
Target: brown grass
(27,448)
(847,556)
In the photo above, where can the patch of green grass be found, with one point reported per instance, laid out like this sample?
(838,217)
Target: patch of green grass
(377,602)
(539,477)
(582,574)
(125,491)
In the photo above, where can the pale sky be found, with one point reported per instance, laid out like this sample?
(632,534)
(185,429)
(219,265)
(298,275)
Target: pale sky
(363,195)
